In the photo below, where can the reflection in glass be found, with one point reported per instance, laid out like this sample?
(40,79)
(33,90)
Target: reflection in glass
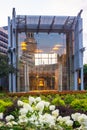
(42,66)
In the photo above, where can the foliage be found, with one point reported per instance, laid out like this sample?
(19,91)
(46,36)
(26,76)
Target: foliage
(58,101)
(24,99)
(81,96)
(79,104)
(85,76)
(5,68)
(69,98)
(8,128)
(4,104)
(85,68)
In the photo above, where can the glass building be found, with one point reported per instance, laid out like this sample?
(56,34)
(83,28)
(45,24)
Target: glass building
(47,52)
(3,41)
(3,51)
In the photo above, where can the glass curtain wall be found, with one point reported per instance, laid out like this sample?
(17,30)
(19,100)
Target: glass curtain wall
(42,61)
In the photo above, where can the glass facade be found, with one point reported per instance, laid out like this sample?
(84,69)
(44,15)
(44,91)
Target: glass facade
(42,62)
(45,51)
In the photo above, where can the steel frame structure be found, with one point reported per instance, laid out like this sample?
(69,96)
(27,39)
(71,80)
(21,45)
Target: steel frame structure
(70,25)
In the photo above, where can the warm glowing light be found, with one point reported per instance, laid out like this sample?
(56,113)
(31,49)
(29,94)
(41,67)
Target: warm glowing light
(23,46)
(37,76)
(58,45)
(55,48)
(44,58)
(79,80)
(38,51)
(41,82)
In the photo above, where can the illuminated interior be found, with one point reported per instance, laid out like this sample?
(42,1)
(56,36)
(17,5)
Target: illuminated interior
(42,61)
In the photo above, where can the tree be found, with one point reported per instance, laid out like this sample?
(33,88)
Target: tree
(85,75)
(85,68)
(5,68)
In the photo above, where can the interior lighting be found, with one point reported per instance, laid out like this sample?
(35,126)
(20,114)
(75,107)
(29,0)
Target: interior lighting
(24,46)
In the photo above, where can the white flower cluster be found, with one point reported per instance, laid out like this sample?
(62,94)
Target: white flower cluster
(82,119)
(39,113)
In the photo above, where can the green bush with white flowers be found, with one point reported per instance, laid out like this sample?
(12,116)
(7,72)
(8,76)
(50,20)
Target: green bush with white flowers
(38,114)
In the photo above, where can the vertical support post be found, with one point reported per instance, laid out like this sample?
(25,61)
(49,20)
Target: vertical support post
(25,77)
(78,56)
(82,84)
(14,48)
(60,80)
(75,80)
(9,53)
(28,77)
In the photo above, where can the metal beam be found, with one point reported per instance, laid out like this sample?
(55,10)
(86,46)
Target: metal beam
(76,19)
(58,29)
(66,22)
(79,14)
(51,24)
(73,23)
(38,26)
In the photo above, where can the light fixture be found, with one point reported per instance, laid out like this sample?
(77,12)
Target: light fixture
(23,46)
(55,48)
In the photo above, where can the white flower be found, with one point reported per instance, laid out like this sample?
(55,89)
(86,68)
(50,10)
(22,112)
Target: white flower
(1,123)
(46,104)
(48,119)
(36,123)
(55,112)
(23,121)
(32,119)
(66,118)
(40,106)
(1,115)
(9,124)
(60,119)
(52,107)
(14,123)
(51,124)
(83,119)
(23,111)
(28,107)
(38,99)
(20,103)
(22,116)
(85,128)
(75,116)
(69,122)
(9,118)
(31,100)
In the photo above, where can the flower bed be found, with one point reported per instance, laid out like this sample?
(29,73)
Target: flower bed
(38,114)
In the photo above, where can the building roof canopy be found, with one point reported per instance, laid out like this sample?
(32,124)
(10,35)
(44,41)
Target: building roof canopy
(45,23)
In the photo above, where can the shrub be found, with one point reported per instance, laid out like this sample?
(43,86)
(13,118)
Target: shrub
(4,104)
(79,104)
(69,98)
(24,99)
(58,101)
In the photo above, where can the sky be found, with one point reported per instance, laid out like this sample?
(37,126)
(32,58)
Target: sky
(46,7)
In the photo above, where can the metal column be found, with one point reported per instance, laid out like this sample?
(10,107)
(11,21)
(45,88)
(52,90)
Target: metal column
(75,81)
(14,49)
(9,53)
